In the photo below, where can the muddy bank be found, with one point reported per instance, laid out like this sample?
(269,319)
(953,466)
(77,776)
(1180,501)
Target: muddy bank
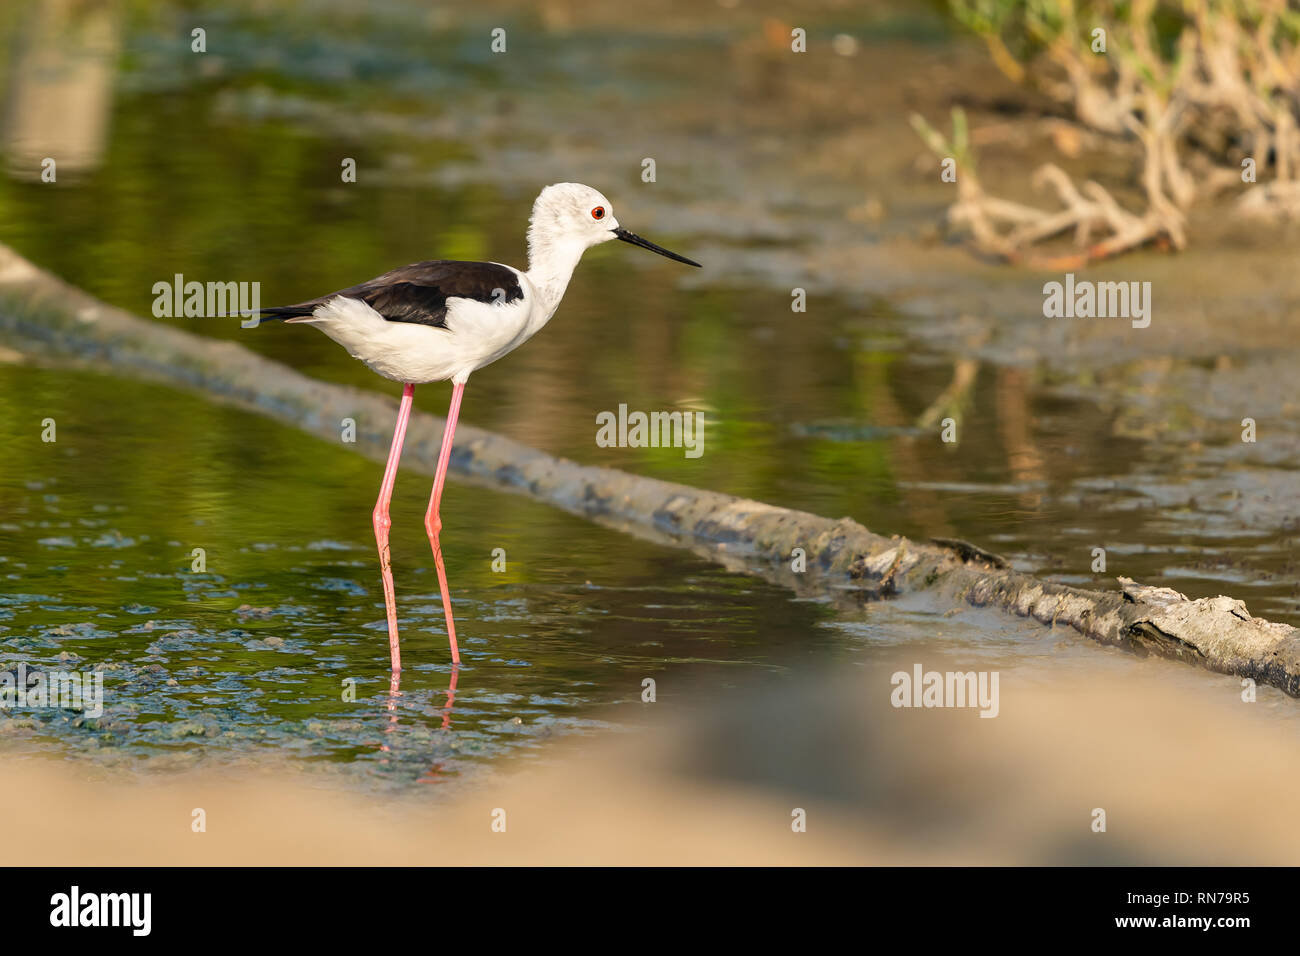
(877,785)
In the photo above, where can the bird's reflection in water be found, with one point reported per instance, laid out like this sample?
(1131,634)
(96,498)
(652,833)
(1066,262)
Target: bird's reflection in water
(394,692)
(434,773)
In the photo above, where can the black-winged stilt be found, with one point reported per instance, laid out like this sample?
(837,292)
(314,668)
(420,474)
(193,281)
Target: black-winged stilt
(439,320)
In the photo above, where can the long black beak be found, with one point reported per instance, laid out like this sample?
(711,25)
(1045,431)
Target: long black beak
(636,240)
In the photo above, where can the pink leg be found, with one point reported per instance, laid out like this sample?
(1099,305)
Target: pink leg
(432,518)
(383,522)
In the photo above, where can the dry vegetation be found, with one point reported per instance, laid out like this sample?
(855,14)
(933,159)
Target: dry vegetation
(1204,92)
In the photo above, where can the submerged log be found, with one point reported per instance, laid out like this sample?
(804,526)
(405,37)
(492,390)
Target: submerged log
(51,321)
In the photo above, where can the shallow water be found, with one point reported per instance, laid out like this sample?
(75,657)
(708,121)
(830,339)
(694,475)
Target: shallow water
(232,175)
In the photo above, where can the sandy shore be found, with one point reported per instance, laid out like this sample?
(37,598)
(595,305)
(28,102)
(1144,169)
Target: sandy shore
(1181,778)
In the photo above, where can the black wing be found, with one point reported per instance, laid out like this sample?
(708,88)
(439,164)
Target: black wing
(419,292)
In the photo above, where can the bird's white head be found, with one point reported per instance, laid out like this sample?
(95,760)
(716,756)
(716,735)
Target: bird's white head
(571,214)
(568,219)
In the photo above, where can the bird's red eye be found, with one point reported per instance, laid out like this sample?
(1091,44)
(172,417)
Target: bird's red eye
(598,212)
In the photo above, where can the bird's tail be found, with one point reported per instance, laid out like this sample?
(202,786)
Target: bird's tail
(286,312)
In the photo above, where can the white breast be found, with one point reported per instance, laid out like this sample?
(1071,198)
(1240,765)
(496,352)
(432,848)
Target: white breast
(477,333)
